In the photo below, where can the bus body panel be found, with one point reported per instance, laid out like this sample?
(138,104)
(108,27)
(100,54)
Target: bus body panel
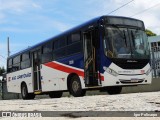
(50,79)
(54,76)
(126,75)
(15,79)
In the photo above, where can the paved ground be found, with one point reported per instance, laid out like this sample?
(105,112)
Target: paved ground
(149,101)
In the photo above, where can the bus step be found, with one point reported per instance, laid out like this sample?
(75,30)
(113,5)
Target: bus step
(37,92)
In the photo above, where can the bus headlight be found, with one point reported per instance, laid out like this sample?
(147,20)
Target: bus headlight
(110,71)
(148,71)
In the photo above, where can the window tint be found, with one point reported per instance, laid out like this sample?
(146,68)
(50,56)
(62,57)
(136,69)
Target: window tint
(16,59)
(16,67)
(9,69)
(74,38)
(59,53)
(67,50)
(55,44)
(9,62)
(74,48)
(46,57)
(47,48)
(25,64)
(60,43)
(25,56)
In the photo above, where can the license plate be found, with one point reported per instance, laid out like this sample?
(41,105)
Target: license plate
(134,81)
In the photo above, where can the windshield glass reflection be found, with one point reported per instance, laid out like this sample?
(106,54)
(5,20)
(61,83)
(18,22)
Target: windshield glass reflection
(125,43)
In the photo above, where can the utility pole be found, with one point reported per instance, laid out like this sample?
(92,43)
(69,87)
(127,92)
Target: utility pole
(8,47)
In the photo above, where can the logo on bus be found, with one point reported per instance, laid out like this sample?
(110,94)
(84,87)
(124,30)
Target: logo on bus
(20,76)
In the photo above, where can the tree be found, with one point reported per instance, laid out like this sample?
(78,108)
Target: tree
(150,33)
(2,70)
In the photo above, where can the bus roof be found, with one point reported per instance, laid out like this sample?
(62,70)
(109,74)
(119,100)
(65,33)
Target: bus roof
(94,20)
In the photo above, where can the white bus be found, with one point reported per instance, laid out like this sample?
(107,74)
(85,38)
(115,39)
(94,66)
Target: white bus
(107,53)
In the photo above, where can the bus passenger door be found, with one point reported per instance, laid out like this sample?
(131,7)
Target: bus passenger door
(90,61)
(36,71)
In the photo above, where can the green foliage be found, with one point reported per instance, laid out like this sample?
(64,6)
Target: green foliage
(2,70)
(150,33)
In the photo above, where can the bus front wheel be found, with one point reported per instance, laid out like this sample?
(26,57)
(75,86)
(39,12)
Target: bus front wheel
(112,90)
(55,94)
(75,87)
(24,93)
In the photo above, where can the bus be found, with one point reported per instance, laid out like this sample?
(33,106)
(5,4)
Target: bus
(105,53)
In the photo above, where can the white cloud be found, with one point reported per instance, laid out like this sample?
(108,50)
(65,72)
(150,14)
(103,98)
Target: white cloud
(60,26)
(21,8)
(17,6)
(36,5)
(50,23)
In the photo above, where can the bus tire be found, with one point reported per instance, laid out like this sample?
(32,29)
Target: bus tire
(24,93)
(55,94)
(112,90)
(75,87)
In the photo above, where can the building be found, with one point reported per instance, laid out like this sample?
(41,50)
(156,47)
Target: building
(154,43)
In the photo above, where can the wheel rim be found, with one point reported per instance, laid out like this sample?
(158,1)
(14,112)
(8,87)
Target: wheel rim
(75,86)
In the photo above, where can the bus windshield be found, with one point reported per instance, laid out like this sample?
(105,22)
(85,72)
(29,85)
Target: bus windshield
(121,42)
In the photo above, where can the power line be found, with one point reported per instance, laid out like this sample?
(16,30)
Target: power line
(145,10)
(2,61)
(3,57)
(120,7)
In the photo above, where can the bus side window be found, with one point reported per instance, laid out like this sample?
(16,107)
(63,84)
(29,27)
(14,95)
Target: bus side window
(47,48)
(9,65)
(16,63)
(59,48)
(76,37)
(62,42)
(26,62)
(55,44)
(74,43)
(47,53)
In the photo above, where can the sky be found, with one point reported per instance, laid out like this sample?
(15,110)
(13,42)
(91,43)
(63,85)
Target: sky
(28,22)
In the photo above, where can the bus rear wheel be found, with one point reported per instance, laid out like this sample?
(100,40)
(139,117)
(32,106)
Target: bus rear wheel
(55,94)
(75,87)
(24,93)
(112,90)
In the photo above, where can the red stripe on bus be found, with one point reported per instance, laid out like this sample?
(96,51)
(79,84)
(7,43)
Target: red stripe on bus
(67,69)
(64,68)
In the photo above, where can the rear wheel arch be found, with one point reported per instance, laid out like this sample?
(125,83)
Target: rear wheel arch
(24,92)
